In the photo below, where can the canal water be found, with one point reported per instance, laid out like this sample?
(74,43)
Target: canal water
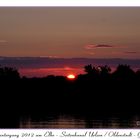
(75,122)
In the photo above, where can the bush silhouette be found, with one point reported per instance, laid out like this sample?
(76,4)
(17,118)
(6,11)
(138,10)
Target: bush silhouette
(99,72)
(124,72)
(8,73)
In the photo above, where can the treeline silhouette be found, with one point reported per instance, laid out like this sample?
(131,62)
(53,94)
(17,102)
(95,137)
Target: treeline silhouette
(97,92)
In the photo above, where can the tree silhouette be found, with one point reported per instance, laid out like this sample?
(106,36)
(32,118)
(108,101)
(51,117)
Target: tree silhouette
(124,72)
(88,69)
(100,71)
(8,73)
(91,70)
(138,74)
(104,71)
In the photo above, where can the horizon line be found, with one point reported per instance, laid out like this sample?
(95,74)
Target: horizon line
(68,57)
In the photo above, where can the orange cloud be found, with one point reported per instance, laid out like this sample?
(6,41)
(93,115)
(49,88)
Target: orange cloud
(3,41)
(130,52)
(92,46)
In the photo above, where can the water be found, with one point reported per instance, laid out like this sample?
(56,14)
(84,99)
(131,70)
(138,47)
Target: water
(70,121)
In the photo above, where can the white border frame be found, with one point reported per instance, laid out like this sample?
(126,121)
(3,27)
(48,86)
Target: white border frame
(69,2)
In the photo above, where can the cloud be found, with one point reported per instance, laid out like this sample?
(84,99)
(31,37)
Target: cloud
(92,46)
(3,41)
(130,52)
(103,46)
(48,56)
(88,47)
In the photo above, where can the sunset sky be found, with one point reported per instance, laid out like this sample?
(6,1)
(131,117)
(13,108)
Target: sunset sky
(91,32)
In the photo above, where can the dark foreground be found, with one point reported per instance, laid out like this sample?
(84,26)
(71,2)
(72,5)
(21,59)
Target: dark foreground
(42,96)
(88,96)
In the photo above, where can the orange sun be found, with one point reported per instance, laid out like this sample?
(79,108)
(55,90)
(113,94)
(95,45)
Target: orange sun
(71,76)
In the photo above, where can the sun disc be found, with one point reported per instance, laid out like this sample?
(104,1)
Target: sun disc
(71,76)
